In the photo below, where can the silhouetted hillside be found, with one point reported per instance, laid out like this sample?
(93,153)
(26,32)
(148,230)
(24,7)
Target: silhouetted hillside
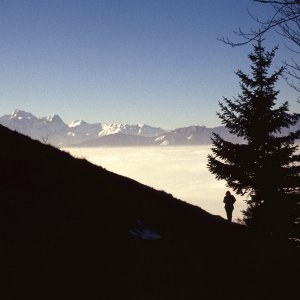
(72,230)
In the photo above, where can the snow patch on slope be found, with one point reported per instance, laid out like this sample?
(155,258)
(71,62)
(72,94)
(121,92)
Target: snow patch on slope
(142,232)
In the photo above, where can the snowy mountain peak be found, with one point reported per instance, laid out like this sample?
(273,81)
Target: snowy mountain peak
(76,123)
(142,130)
(56,132)
(20,114)
(54,118)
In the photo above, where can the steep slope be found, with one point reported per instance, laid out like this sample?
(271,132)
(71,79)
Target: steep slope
(72,230)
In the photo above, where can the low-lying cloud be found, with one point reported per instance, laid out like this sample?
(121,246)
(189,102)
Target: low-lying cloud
(180,171)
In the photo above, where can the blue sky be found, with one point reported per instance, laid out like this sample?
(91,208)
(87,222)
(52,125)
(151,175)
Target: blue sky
(128,61)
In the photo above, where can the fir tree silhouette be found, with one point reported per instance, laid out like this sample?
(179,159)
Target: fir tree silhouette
(265,165)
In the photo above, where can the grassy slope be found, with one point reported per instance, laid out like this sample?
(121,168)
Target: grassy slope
(64,230)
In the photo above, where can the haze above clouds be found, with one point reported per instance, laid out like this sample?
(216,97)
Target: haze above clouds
(180,171)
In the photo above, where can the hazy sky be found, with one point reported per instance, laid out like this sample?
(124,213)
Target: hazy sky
(136,61)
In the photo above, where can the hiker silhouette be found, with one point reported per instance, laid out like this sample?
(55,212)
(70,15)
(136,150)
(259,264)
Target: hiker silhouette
(229,201)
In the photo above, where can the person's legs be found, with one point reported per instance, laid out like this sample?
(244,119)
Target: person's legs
(229,214)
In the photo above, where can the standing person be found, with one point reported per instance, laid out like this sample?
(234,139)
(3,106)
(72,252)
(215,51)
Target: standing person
(229,201)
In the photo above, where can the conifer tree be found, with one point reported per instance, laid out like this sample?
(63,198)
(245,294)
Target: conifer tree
(265,166)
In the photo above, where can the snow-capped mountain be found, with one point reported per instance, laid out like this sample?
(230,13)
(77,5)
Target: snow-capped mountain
(53,130)
(141,130)
(79,133)
(83,130)
(193,135)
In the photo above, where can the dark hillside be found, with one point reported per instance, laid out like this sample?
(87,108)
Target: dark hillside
(66,233)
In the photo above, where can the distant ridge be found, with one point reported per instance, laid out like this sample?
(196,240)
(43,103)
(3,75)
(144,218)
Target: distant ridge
(54,131)
(117,140)
(79,133)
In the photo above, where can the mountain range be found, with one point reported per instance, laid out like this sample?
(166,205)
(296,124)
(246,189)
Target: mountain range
(53,130)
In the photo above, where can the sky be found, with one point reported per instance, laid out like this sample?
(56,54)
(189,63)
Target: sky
(157,62)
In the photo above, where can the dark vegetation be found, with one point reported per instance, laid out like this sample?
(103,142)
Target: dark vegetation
(64,234)
(266,166)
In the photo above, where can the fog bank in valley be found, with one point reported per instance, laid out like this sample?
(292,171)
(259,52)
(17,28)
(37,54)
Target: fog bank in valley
(180,171)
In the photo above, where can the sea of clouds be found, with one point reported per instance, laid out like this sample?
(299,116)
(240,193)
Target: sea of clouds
(179,170)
